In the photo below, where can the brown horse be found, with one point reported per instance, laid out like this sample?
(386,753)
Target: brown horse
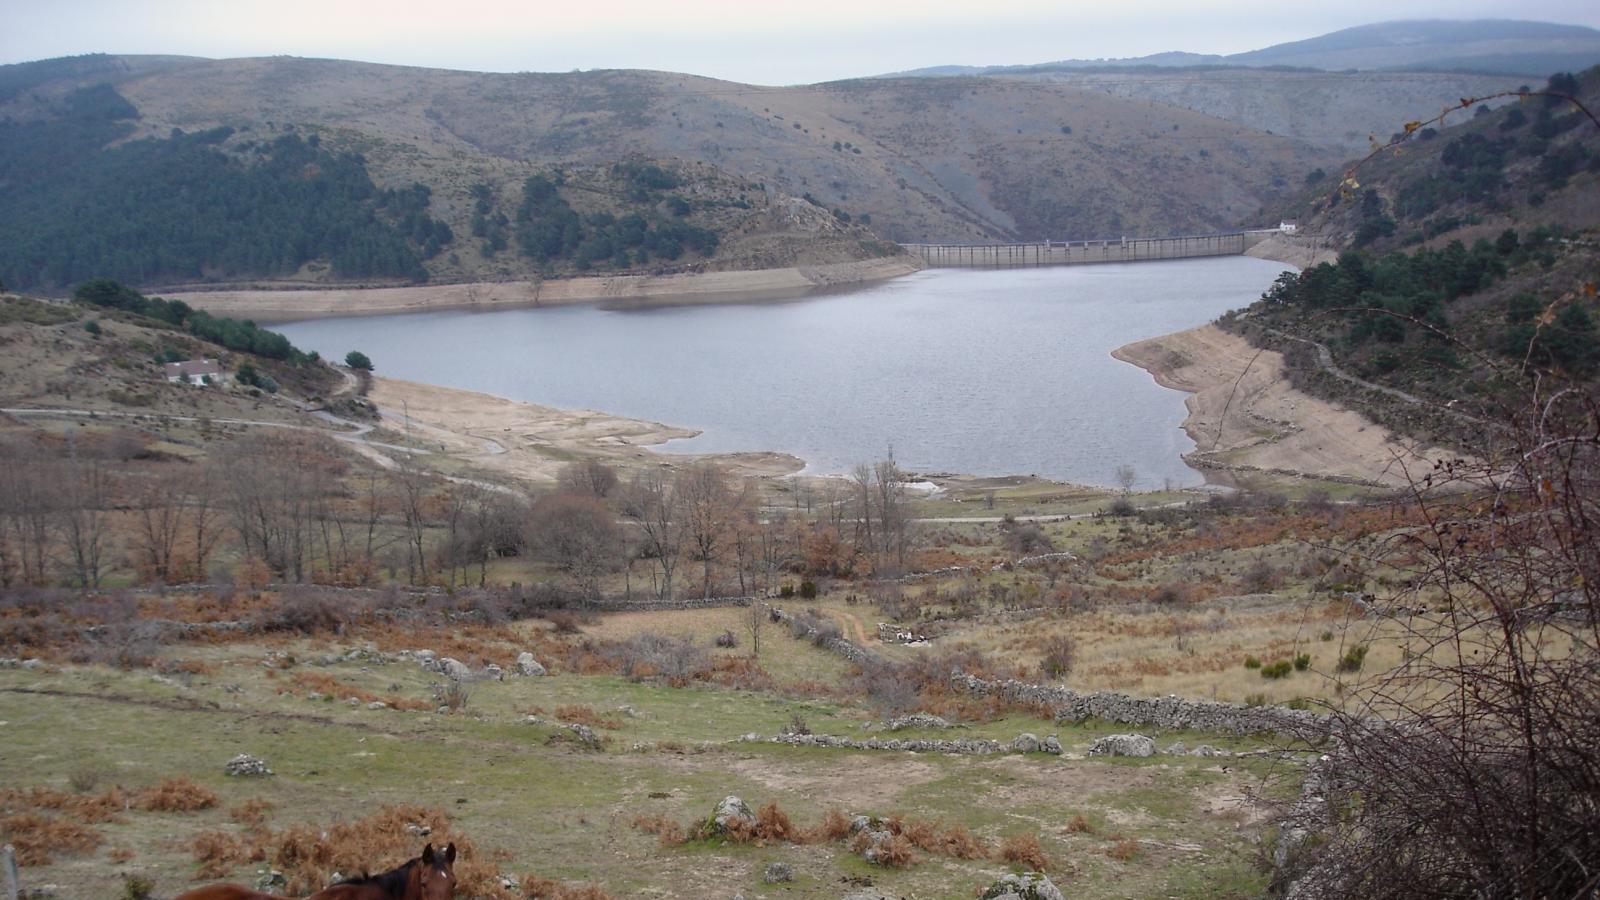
(430,876)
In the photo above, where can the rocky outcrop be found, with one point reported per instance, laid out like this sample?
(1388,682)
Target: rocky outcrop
(1029,886)
(527,665)
(246,766)
(1136,745)
(916,720)
(731,814)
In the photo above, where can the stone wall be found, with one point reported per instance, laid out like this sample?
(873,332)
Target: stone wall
(653,604)
(1155,712)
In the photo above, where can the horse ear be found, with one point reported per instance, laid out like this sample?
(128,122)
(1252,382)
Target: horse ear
(427,854)
(450,854)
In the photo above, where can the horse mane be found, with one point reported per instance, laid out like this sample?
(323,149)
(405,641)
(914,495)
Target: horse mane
(392,883)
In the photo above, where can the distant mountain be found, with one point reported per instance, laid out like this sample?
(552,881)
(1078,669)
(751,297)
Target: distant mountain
(1482,45)
(1337,90)
(1495,46)
(152,169)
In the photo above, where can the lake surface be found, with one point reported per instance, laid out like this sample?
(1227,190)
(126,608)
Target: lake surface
(1004,372)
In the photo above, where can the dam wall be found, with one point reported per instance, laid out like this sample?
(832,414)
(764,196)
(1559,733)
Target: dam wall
(1077,253)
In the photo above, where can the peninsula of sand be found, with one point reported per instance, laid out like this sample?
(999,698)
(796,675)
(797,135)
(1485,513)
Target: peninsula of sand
(623,290)
(1246,419)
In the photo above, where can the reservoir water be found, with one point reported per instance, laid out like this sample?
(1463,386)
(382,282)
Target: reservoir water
(1004,372)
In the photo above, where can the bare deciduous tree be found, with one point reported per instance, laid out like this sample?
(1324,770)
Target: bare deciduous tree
(579,535)
(589,476)
(652,504)
(708,509)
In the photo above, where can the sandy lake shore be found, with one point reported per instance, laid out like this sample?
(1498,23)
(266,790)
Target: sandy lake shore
(621,290)
(528,442)
(1246,418)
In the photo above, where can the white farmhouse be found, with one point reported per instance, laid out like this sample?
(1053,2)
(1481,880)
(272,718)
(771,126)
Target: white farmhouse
(1288,226)
(198,372)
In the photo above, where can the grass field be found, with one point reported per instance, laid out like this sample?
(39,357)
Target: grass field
(548,806)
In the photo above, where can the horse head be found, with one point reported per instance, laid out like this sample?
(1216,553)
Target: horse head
(434,877)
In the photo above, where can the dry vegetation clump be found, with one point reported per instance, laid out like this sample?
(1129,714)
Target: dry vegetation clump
(835,826)
(177,794)
(772,826)
(535,887)
(934,837)
(82,807)
(38,837)
(1080,825)
(1024,850)
(309,855)
(895,853)
(670,833)
(251,813)
(586,715)
(1123,848)
(329,686)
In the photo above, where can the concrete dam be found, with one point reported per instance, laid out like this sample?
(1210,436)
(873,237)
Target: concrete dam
(1077,253)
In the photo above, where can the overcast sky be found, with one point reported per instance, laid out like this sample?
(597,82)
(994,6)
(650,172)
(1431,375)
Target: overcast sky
(783,42)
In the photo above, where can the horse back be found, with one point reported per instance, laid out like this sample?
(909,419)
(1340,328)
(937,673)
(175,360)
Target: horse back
(225,892)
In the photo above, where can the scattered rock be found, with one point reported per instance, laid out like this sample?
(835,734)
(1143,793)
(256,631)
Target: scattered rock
(731,809)
(527,665)
(917,720)
(1025,743)
(32,663)
(245,766)
(1029,886)
(271,880)
(419,830)
(377,704)
(1123,745)
(455,669)
(585,735)
(1208,750)
(628,711)
(778,873)
(494,672)
(1176,748)
(1051,744)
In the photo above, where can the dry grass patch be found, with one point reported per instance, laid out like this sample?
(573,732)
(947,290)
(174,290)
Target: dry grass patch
(586,715)
(329,686)
(309,855)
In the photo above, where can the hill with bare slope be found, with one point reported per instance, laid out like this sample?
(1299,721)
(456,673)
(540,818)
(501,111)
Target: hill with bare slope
(910,160)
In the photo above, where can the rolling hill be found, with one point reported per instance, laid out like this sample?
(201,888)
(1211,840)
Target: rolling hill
(911,160)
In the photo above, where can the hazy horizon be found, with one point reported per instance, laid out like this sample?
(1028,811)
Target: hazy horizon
(829,39)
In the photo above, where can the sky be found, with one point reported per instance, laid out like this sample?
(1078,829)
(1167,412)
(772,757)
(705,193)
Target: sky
(773,42)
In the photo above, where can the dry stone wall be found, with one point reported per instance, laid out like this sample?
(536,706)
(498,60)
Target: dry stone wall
(1156,712)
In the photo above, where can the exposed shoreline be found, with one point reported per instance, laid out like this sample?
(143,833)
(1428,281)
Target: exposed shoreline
(532,443)
(1247,420)
(621,290)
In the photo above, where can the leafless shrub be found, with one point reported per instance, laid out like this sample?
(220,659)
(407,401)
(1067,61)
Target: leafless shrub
(1482,782)
(648,654)
(1060,655)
